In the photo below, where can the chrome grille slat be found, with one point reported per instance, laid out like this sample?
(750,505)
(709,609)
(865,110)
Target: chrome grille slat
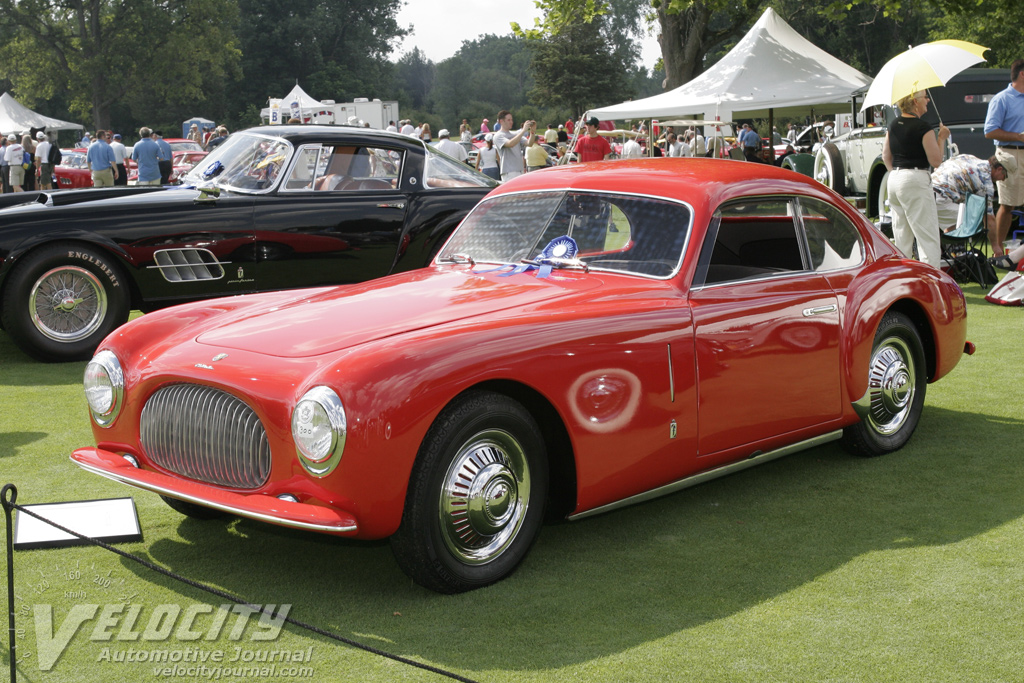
(187,264)
(205,434)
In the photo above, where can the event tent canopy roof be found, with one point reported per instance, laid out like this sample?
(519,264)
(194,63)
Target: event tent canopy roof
(304,100)
(17,118)
(772,67)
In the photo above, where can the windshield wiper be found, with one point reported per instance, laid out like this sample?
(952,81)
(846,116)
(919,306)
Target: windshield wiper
(459,258)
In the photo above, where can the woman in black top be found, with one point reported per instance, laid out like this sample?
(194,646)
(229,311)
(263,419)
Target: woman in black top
(911,149)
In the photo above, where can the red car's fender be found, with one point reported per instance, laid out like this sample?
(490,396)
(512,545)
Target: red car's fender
(919,293)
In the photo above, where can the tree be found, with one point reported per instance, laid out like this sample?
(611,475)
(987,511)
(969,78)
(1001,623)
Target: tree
(995,25)
(689,28)
(336,49)
(576,68)
(415,77)
(692,28)
(103,52)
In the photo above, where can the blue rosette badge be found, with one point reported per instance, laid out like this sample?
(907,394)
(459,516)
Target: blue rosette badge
(560,252)
(560,249)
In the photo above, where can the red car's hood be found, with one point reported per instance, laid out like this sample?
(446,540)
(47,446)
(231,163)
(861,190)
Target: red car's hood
(346,316)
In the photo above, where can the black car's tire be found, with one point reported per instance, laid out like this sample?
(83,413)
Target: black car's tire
(829,169)
(476,495)
(192,510)
(896,384)
(61,300)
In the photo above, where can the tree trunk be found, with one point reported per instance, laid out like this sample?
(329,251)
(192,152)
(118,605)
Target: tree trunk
(683,42)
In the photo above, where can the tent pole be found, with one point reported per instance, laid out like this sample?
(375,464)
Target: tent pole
(771,135)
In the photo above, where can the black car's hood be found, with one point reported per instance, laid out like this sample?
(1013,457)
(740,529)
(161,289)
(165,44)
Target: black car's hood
(25,203)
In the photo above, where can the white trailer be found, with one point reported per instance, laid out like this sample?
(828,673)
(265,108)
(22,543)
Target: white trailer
(375,112)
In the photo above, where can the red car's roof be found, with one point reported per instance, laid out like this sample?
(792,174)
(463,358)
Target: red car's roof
(696,181)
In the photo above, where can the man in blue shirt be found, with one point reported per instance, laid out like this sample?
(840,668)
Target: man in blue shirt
(147,155)
(101,161)
(1004,123)
(165,157)
(750,141)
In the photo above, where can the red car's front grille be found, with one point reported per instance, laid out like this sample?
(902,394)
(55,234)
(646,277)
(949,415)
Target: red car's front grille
(207,435)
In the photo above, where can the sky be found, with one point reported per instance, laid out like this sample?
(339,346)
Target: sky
(440,26)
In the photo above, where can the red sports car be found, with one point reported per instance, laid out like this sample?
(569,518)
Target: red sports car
(591,336)
(73,170)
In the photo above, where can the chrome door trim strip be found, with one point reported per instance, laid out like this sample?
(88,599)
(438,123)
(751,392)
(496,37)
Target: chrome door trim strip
(755,459)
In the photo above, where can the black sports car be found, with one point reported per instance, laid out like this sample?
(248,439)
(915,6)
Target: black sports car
(276,207)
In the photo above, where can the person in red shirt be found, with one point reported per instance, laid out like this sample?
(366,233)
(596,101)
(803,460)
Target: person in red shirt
(591,146)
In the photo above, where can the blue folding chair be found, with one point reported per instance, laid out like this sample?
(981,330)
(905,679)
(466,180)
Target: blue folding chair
(963,248)
(970,231)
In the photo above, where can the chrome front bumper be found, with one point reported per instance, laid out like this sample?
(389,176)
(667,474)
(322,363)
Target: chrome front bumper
(253,506)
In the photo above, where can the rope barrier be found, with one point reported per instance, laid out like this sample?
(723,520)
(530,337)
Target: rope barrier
(9,495)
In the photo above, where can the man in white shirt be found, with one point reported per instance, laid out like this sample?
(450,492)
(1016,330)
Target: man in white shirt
(511,145)
(673,146)
(407,128)
(44,169)
(119,154)
(452,149)
(632,149)
(15,156)
(698,147)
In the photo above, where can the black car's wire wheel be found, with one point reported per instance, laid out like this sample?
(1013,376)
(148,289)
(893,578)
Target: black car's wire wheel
(61,300)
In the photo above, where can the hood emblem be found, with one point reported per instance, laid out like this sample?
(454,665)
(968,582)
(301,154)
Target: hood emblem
(219,356)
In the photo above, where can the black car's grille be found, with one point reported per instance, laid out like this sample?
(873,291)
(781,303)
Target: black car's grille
(205,434)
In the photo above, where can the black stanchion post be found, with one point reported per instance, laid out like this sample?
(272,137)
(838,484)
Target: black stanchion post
(9,496)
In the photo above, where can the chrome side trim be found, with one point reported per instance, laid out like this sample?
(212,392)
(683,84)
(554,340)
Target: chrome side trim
(216,506)
(820,310)
(671,376)
(702,477)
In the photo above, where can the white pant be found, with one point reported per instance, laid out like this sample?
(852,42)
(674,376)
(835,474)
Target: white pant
(914,215)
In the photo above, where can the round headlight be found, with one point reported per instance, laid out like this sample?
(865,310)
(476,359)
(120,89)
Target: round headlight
(104,387)
(319,429)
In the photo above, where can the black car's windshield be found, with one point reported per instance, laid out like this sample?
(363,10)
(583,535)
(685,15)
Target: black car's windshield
(442,170)
(244,162)
(624,233)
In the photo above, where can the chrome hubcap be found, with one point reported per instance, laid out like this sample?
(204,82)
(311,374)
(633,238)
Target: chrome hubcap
(67,304)
(484,498)
(891,386)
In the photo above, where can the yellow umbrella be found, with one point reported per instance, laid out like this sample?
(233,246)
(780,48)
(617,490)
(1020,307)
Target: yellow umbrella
(920,68)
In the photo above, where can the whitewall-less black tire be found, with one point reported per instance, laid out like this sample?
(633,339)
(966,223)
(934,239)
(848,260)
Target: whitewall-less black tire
(897,383)
(476,495)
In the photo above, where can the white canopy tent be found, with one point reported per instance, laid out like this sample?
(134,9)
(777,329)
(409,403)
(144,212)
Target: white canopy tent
(17,118)
(772,68)
(296,103)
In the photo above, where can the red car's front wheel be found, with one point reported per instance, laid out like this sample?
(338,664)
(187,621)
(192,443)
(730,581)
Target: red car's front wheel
(476,497)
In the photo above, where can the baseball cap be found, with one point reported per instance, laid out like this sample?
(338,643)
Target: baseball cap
(1008,162)
(592,121)
(40,135)
(443,133)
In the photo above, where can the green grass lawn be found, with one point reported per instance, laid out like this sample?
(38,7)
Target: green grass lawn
(817,567)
